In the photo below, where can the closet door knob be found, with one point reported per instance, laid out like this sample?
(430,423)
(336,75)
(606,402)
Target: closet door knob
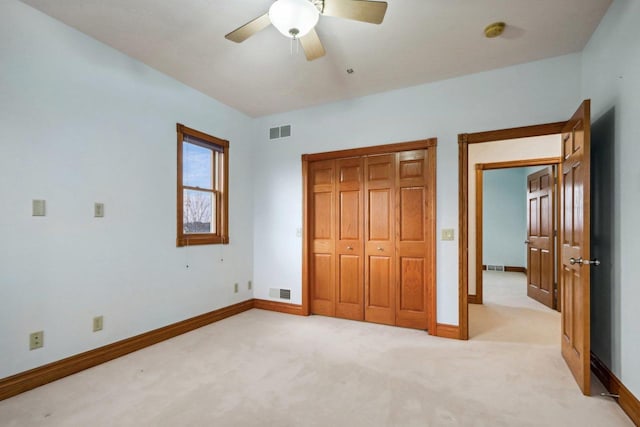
(350,248)
(380,249)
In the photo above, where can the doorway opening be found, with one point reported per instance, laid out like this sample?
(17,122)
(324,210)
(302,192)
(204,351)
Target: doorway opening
(574,229)
(516,252)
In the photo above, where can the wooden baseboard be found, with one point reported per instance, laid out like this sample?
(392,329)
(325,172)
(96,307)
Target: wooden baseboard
(473,299)
(510,268)
(41,375)
(627,401)
(447,331)
(281,307)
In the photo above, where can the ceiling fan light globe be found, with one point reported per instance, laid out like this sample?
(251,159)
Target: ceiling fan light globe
(293,18)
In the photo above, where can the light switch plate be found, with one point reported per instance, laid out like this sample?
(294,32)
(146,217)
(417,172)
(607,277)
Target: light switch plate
(38,208)
(447,234)
(98,210)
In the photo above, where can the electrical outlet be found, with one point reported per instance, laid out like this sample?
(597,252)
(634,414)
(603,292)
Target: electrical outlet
(36,340)
(249,285)
(97,323)
(235,288)
(98,210)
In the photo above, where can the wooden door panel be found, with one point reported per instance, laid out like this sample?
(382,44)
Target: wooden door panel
(380,292)
(411,240)
(546,229)
(412,205)
(411,168)
(540,236)
(534,227)
(322,174)
(379,244)
(322,284)
(546,272)
(379,214)
(380,282)
(350,215)
(349,280)
(412,290)
(322,215)
(575,240)
(534,267)
(379,170)
(350,171)
(322,235)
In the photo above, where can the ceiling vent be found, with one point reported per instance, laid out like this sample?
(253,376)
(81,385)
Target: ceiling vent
(280,132)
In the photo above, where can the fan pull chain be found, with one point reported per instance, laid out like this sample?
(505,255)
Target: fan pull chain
(295,40)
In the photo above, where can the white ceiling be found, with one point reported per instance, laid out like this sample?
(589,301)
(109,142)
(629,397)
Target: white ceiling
(419,41)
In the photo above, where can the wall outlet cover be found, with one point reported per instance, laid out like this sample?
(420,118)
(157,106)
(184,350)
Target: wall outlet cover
(36,340)
(97,323)
(98,210)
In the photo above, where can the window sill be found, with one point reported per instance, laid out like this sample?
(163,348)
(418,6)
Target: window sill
(201,239)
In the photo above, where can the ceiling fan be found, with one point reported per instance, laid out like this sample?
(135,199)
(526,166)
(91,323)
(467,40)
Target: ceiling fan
(296,19)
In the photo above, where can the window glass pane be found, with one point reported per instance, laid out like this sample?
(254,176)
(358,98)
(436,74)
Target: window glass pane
(198,212)
(197,166)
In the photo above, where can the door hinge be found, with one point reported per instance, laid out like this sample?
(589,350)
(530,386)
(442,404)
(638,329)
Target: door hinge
(555,233)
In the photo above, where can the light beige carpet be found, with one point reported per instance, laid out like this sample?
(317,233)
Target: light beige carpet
(269,369)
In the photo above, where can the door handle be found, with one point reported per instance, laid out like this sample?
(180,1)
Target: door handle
(526,242)
(581,261)
(350,248)
(380,249)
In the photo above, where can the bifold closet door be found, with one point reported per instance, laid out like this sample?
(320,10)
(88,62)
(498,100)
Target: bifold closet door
(322,268)
(411,232)
(379,239)
(349,243)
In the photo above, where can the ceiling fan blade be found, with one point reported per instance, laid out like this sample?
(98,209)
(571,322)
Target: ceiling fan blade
(242,33)
(358,10)
(311,45)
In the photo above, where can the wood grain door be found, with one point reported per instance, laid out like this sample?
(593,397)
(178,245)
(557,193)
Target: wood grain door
(411,239)
(540,236)
(379,239)
(349,245)
(322,270)
(575,240)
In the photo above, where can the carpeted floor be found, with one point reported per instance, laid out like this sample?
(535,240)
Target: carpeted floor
(268,369)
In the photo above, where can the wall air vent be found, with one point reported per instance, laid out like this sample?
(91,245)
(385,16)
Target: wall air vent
(495,267)
(280,132)
(280,293)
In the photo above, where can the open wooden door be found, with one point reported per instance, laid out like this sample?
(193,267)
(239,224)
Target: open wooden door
(574,245)
(540,241)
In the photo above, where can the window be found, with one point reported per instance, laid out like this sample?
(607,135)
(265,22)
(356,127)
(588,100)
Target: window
(203,188)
